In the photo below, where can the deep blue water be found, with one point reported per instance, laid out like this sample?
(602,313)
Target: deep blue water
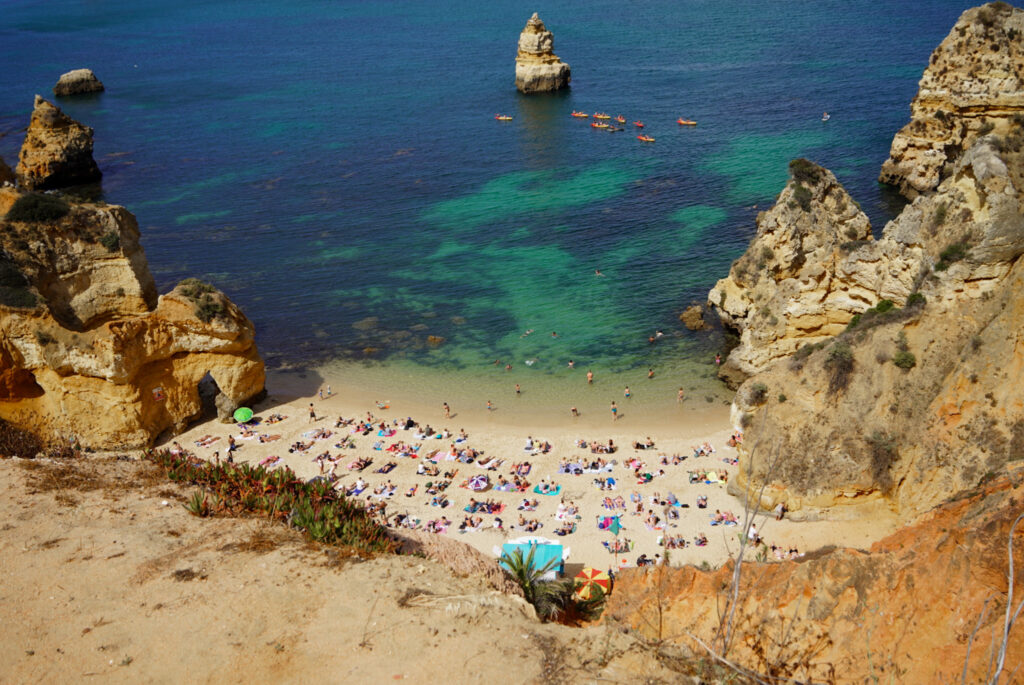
(336,168)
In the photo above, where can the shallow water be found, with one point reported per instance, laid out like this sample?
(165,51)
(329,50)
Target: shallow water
(337,170)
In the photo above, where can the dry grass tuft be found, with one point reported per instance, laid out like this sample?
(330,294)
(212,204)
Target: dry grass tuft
(263,537)
(184,575)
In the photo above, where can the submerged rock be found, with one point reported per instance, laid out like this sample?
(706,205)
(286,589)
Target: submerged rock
(538,68)
(76,82)
(57,151)
(974,85)
(693,317)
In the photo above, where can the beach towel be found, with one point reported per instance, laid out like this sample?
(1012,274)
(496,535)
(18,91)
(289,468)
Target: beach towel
(557,490)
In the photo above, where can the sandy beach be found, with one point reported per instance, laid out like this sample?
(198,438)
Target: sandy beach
(501,435)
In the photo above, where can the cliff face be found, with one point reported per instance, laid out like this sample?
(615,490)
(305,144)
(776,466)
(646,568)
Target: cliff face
(974,84)
(905,390)
(538,68)
(87,347)
(797,282)
(57,151)
(902,612)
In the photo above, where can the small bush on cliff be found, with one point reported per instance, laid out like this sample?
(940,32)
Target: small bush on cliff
(905,360)
(38,207)
(883,452)
(111,241)
(193,288)
(20,298)
(803,197)
(840,366)
(207,309)
(953,253)
(806,171)
(758,393)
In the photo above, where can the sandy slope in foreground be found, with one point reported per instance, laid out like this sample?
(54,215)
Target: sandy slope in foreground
(104,581)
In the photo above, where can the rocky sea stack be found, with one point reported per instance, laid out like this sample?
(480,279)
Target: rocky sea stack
(57,152)
(77,82)
(538,68)
(88,350)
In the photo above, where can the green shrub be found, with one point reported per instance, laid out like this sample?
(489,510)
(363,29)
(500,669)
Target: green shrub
(940,214)
(806,171)
(38,207)
(840,366)
(916,300)
(758,393)
(207,308)
(21,298)
(111,241)
(953,253)
(905,360)
(803,197)
(782,397)
(883,306)
(193,288)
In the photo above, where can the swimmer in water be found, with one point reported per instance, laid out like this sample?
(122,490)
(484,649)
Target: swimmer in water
(597,272)
(572,364)
(590,376)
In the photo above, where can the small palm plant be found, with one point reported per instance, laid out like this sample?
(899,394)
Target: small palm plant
(544,597)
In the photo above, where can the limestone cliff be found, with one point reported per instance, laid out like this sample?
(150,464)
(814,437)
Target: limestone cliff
(974,84)
(57,151)
(77,82)
(538,68)
(797,283)
(913,609)
(916,399)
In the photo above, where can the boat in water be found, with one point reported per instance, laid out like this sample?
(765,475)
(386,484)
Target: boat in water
(580,115)
(645,139)
(686,122)
(638,124)
(503,117)
(601,115)
(598,124)
(621,119)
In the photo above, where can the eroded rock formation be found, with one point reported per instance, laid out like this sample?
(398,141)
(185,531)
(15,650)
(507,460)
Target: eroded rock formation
(882,370)
(76,82)
(797,282)
(974,85)
(57,151)
(88,349)
(908,610)
(538,68)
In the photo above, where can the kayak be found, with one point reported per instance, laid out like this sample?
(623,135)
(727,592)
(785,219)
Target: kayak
(646,139)
(638,124)
(580,115)
(502,117)
(601,115)
(686,122)
(599,124)
(621,119)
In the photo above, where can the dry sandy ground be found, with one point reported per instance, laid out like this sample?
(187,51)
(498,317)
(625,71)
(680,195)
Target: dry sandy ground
(102,581)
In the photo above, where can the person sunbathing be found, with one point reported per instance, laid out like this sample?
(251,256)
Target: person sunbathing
(700,540)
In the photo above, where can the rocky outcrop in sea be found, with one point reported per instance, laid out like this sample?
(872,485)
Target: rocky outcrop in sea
(974,85)
(538,68)
(57,151)
(77,82)
(89,351)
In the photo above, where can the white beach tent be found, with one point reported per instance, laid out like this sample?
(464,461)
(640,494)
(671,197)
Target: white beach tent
(546,550)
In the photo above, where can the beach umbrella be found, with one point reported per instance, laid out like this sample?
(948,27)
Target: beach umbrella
(614,526)
(478,483)
(243,414)
(590,578)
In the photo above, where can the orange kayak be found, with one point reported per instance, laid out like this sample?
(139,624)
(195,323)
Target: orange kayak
(601,115)
(638,124)
(502,117)
(621,119)
(646,139)
(599,124)
(686,122)
(580,115)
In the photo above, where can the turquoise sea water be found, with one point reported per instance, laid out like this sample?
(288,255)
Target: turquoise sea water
(335,167)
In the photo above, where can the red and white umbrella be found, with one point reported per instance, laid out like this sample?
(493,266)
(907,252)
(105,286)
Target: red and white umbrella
(590,578)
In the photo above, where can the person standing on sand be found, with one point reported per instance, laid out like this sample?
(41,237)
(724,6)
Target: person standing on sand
(626,393)
(448,410)
(490,407)
(574,411)
(615,411)
(590,376)
(650,373)
(312,413)
(679,397)
(517,389)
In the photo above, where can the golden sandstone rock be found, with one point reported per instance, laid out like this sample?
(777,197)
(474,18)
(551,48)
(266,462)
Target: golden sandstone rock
(57,151)
(974,84)
(538,68)
(88,350)
(916,400)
